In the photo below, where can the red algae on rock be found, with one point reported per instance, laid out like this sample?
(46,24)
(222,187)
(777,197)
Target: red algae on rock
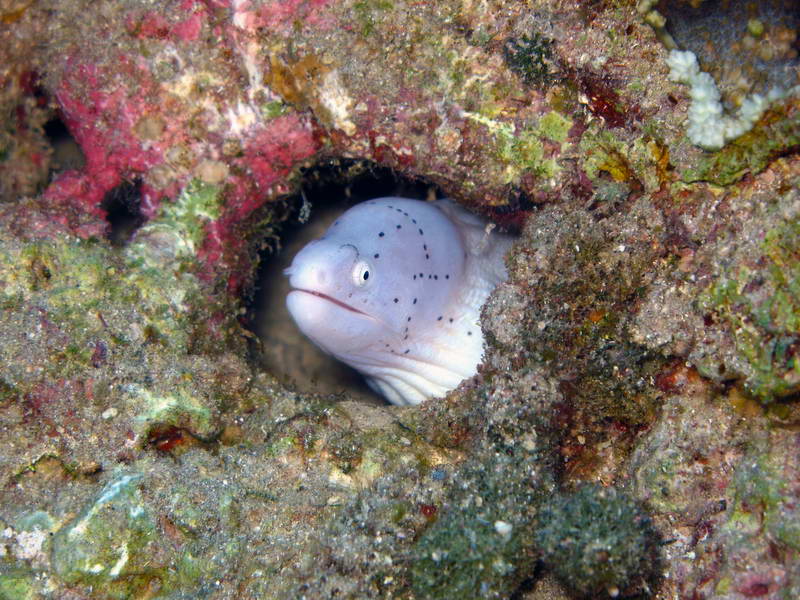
(156,100)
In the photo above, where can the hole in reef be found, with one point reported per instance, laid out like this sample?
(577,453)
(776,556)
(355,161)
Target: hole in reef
(329,189)
(123,215)
(66,152)
(535,583)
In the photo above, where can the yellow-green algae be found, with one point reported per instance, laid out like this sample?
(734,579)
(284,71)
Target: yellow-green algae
(142,309)
(764,519)
(110,541)
(762,308)
(762,494)
(642,161)
(522,150)
(775,134)
(17,584)
(180,224)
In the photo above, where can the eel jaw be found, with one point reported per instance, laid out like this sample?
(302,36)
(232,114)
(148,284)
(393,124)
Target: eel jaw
(331,299)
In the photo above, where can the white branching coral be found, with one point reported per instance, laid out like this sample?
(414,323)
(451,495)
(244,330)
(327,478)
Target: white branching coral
(709,127)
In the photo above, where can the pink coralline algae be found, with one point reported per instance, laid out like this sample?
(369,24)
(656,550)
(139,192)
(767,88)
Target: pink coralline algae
(155,25)
(103,122)
(268,156)
(278,15)
(177,112)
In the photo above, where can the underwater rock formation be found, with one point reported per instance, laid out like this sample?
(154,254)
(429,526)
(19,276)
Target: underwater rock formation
(647,339)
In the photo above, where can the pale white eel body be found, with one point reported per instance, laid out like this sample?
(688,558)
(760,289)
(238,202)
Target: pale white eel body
(394,288)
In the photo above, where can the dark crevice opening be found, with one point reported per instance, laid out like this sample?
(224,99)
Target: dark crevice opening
(66,152)
(122,206)
(529,584)
(56,130)
(327,189)
(120,203)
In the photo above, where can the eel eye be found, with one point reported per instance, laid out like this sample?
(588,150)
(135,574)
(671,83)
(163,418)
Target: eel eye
(361,273)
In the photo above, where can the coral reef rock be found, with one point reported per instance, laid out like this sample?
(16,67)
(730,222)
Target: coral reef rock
(645,347)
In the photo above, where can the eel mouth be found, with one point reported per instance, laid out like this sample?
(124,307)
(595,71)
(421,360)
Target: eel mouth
(331,299)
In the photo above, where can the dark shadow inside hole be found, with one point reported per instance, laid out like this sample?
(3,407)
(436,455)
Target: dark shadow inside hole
(123,214)
(329,189)
(530,584)
(55,130)
(66,152)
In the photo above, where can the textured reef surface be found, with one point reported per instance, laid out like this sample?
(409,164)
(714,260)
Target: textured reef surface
(634,428)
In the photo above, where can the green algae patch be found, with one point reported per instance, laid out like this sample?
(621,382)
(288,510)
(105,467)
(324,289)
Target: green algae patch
(282,445)
(76,288)
(37,519)
(67,270)
(370,14)
(178,408)
(91,306)
(481,547)
(130,338)
(83,286)
(180,227)
(764,497)
(110,543)
(642,163)
(762,310)
(763,517)
(522,150)
(599,542)
(555,126)
(274,109)
(17,584)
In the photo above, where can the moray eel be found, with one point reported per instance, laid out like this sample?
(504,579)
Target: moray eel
(394,288)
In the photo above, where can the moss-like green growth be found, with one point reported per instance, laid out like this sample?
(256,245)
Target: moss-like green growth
(481,547)
(8,393)
(764,496)
(763,311)
(369,14)
(599,542)
(16,584)
(523,150)
(138,314)
(555,126)
(530,57)
(274,109)
(179,408)
(641,163)
(182,223)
